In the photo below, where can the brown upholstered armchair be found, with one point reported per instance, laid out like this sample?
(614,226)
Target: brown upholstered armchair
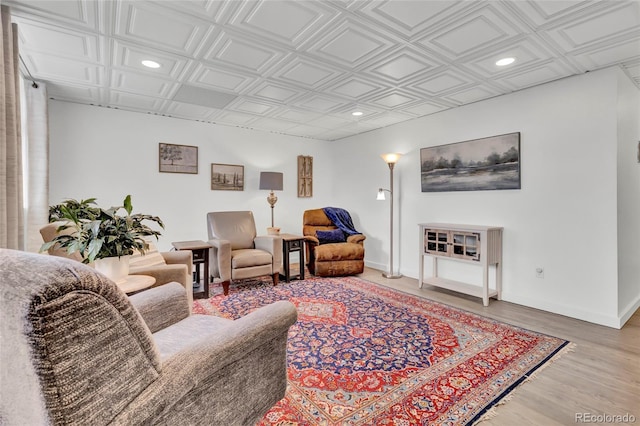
(238,252)
(331,258)
(76,350)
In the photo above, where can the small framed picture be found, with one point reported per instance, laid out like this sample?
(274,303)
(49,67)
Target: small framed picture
(178,158)
(227,177)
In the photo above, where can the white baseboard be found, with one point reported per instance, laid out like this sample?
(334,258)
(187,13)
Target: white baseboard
(545,305)
(568,311)
(376,265)
(628,311)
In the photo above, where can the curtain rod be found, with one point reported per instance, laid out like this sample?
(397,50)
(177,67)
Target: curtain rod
(33,80)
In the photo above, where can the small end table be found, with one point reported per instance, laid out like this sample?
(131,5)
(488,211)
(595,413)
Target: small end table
(135,283)
(200,256)
(292,243)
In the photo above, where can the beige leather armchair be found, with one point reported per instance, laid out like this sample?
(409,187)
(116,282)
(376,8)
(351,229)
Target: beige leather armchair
(77,351)
(238,252)
(165,267)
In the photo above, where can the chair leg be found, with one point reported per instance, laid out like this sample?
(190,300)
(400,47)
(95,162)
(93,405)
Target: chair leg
(225,287)
(311,257)
(275,276)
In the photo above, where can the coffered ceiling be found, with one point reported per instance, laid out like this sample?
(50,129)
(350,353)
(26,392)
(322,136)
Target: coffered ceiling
(302,67)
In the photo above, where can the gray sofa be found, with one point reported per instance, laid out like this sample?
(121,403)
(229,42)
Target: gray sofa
(76,350)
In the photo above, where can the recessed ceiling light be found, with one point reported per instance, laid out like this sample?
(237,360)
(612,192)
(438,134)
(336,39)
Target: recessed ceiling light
(150,64)
(505,61)
(357,113)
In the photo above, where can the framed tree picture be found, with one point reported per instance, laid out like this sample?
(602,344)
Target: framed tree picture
(178,158)
(227,177)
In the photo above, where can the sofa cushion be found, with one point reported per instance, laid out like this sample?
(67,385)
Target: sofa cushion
(339,251)
(332,236)
(152,257)
(246,258)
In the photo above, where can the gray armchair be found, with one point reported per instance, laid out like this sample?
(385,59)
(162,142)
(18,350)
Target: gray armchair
(238,253)
(76,350)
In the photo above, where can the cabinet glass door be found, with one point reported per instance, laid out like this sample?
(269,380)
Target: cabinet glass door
(443,239)
(466,245)
(429,241)
(471,246)
(436,242)
(458,245)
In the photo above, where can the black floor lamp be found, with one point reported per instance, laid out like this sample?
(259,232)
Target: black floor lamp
(391,160)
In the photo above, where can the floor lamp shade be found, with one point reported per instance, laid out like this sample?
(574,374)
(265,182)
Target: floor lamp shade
(273,182)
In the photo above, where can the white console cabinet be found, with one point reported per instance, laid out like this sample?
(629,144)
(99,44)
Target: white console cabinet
(480,245)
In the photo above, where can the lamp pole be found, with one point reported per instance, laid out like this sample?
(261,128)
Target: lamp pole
(272,200)
(273,182)
(391,160)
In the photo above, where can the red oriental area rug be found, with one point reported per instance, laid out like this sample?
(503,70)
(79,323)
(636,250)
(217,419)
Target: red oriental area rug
(363,354)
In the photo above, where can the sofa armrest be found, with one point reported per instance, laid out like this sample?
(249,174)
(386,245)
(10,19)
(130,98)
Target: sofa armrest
(162,306)
(273,245)
(312,240)
(234,338)
(243,362)
(356,238)
(220,259)
(179,257)
(164,273)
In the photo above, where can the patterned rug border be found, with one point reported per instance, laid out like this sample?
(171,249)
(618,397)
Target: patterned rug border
(490,410)
(468,312)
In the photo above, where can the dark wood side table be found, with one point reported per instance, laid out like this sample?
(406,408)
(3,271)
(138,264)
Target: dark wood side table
(200,257)
(290,244)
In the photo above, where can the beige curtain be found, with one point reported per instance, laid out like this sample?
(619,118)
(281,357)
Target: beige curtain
(11,206)
(35,134)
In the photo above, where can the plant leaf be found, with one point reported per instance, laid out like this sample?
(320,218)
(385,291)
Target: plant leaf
(127,204)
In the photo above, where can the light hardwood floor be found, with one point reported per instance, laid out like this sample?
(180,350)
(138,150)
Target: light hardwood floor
(600,376)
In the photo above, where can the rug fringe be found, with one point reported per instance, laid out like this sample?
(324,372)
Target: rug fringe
(493,411)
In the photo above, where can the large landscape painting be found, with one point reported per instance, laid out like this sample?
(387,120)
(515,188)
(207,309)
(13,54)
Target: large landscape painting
(475,165)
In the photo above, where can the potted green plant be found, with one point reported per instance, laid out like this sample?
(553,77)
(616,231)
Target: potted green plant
(101,235)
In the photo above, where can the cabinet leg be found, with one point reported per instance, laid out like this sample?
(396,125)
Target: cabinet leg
(485,286)
(435,267)
(499,280)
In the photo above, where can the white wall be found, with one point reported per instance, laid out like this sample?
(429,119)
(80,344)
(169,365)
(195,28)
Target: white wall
(628,198)
(107,153)
(563,219)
